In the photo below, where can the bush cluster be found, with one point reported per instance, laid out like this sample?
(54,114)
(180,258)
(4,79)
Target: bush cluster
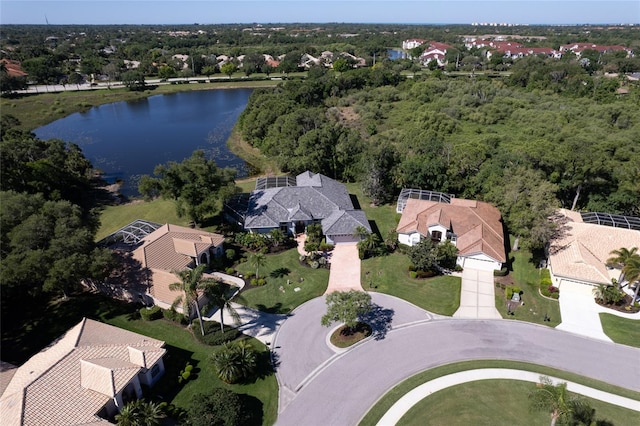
(150,314)
(212,334)
(175,316)
(546,285)
(510,290)
(314,260)
(258,282)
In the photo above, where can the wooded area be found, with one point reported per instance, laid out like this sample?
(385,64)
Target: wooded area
(550,135)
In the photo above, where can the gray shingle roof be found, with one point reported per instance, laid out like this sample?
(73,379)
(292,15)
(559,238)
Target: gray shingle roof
(316,197)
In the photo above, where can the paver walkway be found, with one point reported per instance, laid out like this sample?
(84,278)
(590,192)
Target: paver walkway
(477,296)
(410,399)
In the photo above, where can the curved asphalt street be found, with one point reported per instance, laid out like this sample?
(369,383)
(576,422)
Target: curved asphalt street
(319,386)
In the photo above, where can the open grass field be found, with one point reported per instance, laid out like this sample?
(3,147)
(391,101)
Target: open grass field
(162,211)
(526,276)
(284,274)
(35,110)
(495,403)
(381,407)
(390,275)
(621,330)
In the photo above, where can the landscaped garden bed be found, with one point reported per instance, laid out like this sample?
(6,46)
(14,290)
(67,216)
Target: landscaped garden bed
(344,337)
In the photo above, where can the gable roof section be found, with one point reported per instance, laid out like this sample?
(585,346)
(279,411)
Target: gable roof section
(71,381)
(581,251)
(477,225)
(342,222)
(172,246)
(315,197)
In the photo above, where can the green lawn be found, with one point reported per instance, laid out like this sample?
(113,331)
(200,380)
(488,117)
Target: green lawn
(162,211)
(495,403)
(393,395)
(384,217)
(390,275)
(621,330)
(182,347)
(276,295)
(527,277)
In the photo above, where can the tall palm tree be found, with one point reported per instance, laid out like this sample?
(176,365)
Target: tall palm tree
(632,272)
(554,398)
(621,258)
(257,260)
(191,280)
(221,295)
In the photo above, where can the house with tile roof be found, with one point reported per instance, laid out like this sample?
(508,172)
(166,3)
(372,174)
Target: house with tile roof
(580,251)
(292,204)
(85,377)
(474,227)
(173,248)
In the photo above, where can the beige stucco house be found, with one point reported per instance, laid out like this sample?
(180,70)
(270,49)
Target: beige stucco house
(85,377)
(474,227)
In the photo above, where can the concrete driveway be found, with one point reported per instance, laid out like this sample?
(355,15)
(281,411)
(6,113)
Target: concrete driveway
(342,390)
(344,274)
(477,298)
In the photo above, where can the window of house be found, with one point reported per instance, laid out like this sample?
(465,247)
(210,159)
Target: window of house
(436,236)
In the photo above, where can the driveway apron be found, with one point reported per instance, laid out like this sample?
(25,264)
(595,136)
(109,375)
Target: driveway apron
(477,296)
(579,311)
(345,268)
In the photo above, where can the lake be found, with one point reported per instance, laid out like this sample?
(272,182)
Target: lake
(126,140)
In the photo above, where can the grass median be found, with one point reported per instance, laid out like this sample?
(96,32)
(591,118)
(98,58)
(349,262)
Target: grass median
(392,396)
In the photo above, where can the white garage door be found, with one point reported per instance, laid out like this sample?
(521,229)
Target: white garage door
(337,239)
(483,265)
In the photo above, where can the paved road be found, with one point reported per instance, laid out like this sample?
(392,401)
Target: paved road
(300,346)
(348,385)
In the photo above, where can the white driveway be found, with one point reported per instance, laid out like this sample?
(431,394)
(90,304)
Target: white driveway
(344,274)
(477,296)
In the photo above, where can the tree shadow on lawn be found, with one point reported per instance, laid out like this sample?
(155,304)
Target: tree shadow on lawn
(280,272)
(379,319)
(275,309)
(29,327)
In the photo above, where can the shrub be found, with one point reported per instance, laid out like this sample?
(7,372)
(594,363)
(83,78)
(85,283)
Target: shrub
(258,282)
(230,253)
(500,273)
(230,271)
(413,274)
(314,264)
(150,314)
(212,334)
(457,268)
(249,275)
(302,258)
(510,290)
(175,316)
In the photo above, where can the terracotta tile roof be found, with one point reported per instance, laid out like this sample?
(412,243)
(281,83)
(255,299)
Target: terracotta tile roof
(477,225)
(72,380)
(582,249)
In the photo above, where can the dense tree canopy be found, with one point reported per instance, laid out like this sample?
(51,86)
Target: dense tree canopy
(198,186)
(551,135)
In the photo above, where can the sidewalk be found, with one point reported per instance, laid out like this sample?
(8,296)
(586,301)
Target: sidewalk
(404,404)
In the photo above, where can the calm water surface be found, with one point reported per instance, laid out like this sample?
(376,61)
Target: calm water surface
(128,139)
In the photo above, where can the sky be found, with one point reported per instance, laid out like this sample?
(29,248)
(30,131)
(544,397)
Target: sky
(533,12)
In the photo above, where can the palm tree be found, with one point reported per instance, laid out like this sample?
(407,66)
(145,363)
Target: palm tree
(151,413)
(129,415)
(621,258)
(257,260)
(632,272)
(235,361)
(221,295)
(191,280)
(553,398)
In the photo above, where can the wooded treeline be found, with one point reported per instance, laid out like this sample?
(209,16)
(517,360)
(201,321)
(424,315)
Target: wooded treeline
(550,135)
